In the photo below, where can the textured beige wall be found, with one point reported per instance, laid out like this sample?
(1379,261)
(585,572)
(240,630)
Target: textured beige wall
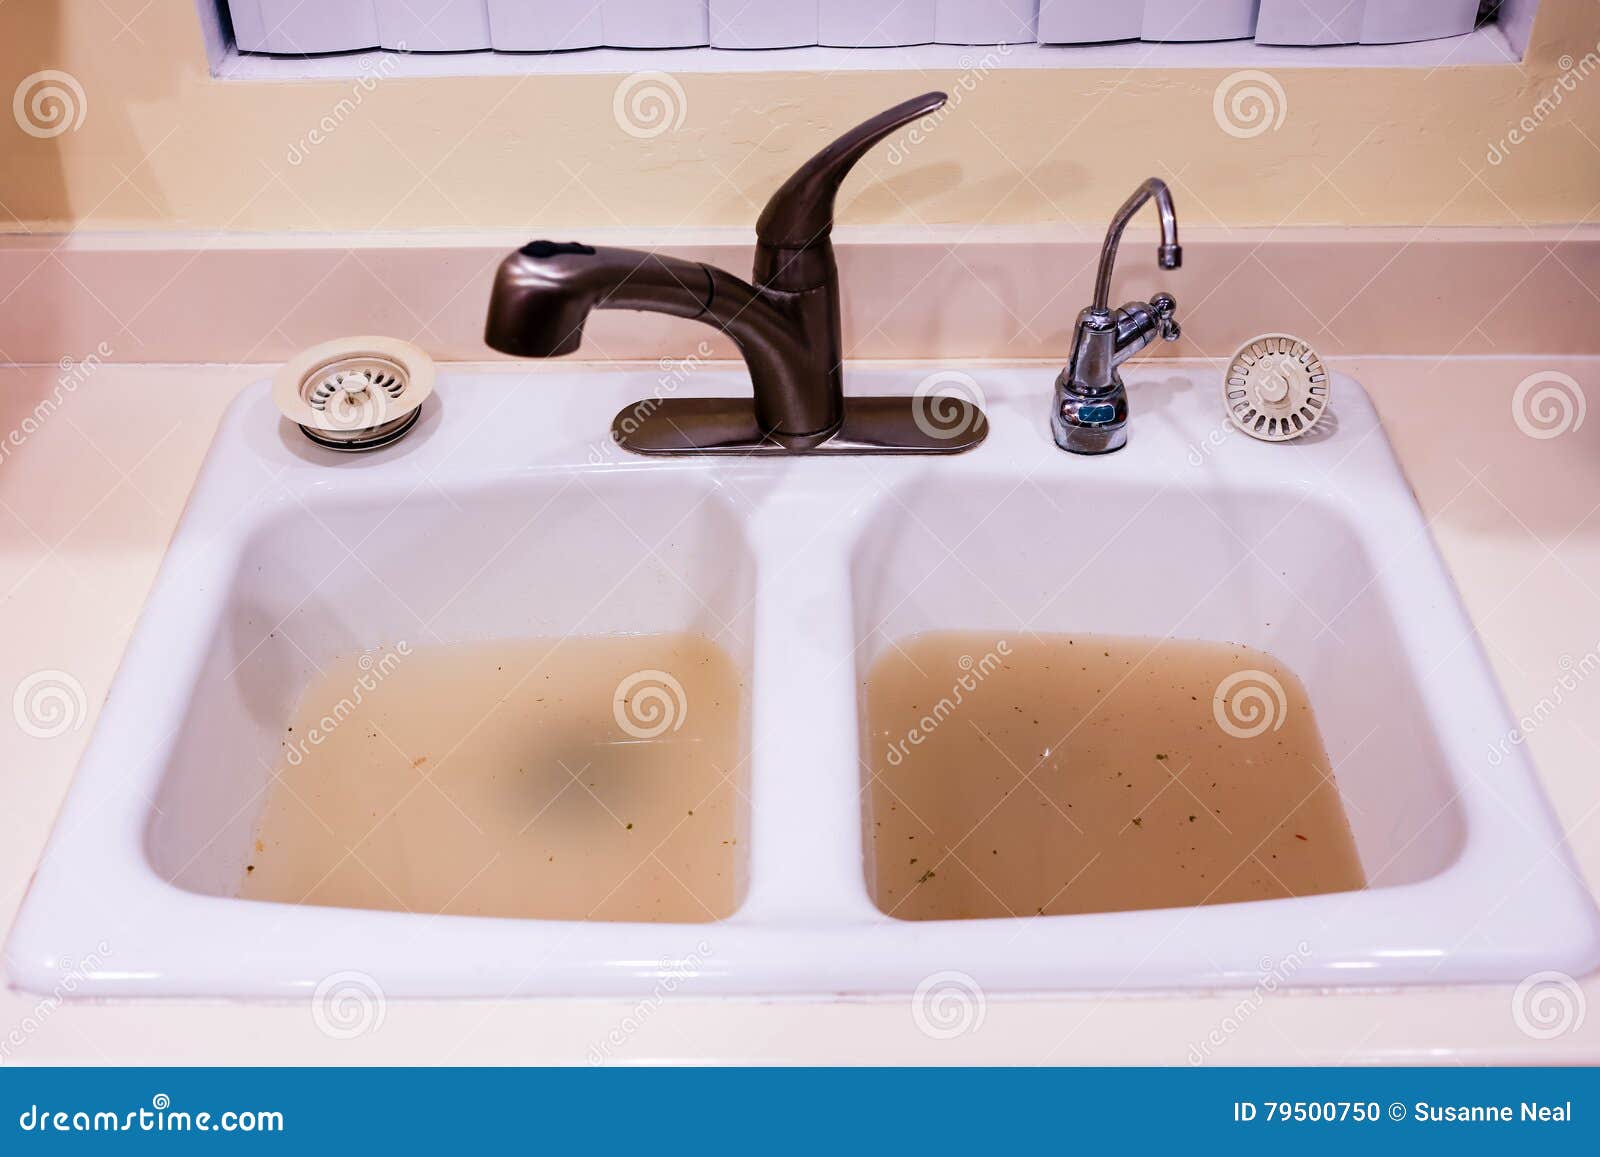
(163,146)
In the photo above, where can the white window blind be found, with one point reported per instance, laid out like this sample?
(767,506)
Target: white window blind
(292,27)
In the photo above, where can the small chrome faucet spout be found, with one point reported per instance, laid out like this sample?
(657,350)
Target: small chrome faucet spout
(1169,254)
(1090,412)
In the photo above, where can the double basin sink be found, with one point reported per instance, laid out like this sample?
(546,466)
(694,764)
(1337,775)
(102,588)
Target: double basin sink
(508,514)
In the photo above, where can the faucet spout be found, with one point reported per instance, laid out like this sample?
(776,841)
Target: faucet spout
(1169,254)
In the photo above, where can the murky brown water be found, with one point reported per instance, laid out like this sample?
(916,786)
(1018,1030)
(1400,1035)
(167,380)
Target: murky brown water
(507,779)
(1091,774)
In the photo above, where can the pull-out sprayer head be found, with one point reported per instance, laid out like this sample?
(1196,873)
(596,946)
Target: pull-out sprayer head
(544,292)
(541,299)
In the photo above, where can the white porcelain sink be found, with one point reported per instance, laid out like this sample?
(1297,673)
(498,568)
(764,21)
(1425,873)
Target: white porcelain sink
(507,514)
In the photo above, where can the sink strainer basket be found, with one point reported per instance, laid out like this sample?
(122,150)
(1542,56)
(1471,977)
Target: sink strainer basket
(356,393)
(1276,388)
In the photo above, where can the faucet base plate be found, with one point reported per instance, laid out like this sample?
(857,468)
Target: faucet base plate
(935,424)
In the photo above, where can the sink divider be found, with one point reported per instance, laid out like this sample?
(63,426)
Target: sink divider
(805,804)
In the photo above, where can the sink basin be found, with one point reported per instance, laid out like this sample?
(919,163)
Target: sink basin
(506,514)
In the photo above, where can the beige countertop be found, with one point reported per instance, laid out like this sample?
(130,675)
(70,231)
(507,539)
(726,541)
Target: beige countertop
(93,479)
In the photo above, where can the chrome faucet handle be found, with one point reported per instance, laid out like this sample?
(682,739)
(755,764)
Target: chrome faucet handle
(1165,308)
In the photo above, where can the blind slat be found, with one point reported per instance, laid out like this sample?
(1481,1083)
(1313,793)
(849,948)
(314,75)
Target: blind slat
(986,21)
(544,25)
(763,23)
(875,23)
(443,26)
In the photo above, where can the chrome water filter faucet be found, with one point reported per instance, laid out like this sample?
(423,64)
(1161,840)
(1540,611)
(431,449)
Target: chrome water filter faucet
(1090,410)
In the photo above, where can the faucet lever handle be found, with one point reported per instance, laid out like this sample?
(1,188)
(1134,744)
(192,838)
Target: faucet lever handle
(800,213)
